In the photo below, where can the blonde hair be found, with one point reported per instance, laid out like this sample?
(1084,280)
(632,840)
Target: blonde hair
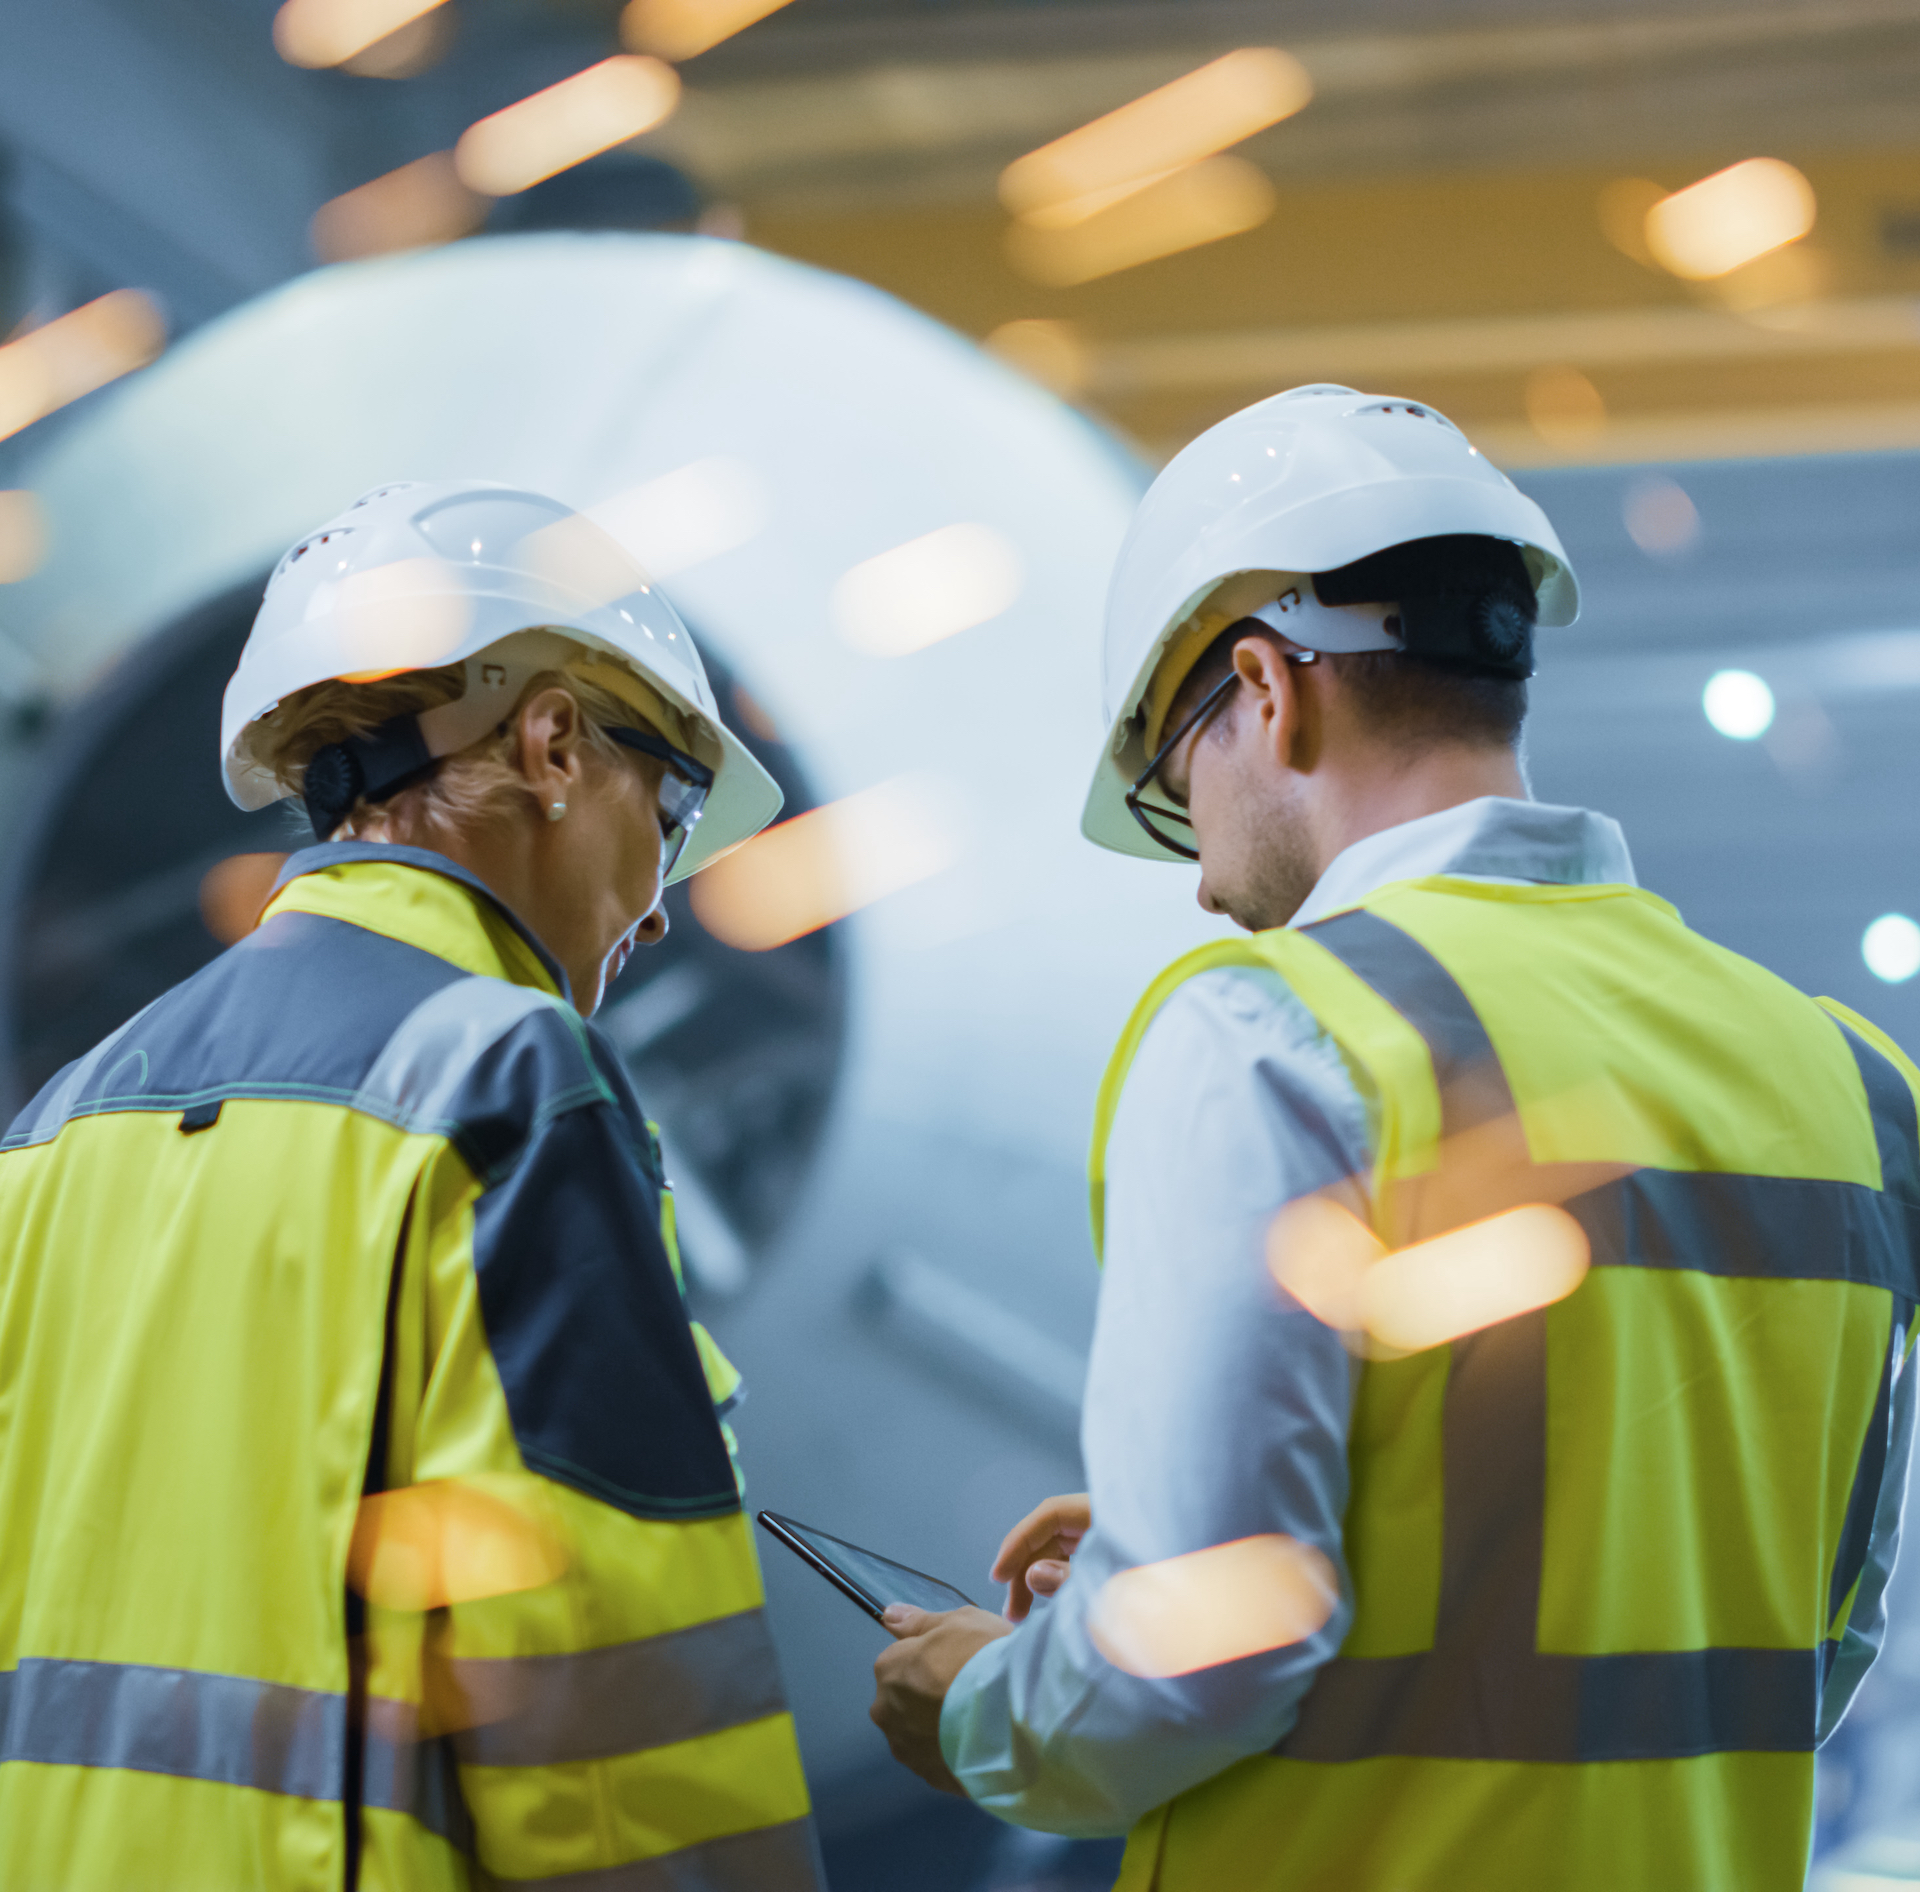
(472,788)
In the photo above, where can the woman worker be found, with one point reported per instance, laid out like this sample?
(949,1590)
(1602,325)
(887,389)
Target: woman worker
(369,1520)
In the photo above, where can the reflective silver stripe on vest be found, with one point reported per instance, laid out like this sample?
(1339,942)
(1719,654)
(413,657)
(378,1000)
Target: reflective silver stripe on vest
(184,1722)
(404,1772)
(770,1859)
(228,1728)
(541,1711)
(1484,1691)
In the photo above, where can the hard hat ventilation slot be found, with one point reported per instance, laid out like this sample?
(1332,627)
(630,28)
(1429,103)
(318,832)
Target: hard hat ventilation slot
(309,545)
(1410,410)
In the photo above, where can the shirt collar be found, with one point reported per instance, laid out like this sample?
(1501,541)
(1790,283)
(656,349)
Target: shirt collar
(314,860)
(1492,838)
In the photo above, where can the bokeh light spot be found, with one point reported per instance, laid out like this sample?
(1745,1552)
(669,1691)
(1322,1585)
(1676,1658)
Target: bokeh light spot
(1050,353)
(1407,1299)
(1201,203)
(408,615)
(821,866)
(329,32)
(1738,704)
(1474,1277)
(1564,408)
(1623,207)
(23,535)
(1213,1606)
(1660,518)
(1728,219)
(1320,1252)
(928,589)
(678,29)
(1190,118)
(49,366)
(688,516)
(451,1541)
(420,204)
(566,124)
(1891,948)
(233,891)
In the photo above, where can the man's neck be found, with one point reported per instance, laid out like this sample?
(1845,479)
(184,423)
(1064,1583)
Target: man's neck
(1363,801)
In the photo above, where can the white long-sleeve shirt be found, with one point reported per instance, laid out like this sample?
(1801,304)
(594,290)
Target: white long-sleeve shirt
(1217,1408)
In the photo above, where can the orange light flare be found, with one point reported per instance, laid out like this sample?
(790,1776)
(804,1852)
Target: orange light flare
(409,615)
(1713,227)
(1506,1247)
(678,29)
(419,205)
(318,33)
(824,865)
(1213,1606)
(72,355)
(451,1541)
(566,124)
(1405,1300)
(1177,124)
(1564,407)
(1051,353)
(233,891)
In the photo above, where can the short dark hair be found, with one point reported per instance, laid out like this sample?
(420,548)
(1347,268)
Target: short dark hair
(1417,699)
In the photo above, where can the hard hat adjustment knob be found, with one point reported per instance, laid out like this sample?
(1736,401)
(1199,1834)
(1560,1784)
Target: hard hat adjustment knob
(333,782)
(1503,630)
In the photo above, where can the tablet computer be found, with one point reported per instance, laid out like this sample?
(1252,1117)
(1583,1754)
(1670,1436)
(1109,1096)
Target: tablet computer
(868,1579)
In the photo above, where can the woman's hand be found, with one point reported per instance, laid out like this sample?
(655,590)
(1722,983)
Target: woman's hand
(1033,1561)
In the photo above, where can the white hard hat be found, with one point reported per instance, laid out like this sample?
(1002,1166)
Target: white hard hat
(1307,481)
(417,575)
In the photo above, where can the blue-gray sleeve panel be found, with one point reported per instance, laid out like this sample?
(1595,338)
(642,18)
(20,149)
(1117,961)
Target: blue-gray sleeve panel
(302,1008)
(587,1327)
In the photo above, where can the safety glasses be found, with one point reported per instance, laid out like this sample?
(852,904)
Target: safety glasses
(683,789)
(1151,814)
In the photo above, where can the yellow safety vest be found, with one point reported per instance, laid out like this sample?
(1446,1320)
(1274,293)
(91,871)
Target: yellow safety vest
(1601,1553)
(366,1515)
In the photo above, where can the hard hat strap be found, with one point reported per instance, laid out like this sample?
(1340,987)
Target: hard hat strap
(370,767)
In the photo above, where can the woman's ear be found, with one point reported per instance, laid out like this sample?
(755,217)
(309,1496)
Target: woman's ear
(549,736)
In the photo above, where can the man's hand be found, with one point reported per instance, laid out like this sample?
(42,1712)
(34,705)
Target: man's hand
(1033,1561)
(912,1678)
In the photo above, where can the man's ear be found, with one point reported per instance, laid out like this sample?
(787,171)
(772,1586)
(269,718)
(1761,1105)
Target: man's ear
(1274,692)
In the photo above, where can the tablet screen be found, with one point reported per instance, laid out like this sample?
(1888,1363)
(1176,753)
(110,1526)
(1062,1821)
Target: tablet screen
(879,1580)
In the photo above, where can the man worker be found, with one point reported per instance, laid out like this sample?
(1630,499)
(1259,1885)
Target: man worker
(1602,1567)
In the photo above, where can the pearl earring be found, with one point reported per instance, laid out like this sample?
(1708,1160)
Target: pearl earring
(557,812)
